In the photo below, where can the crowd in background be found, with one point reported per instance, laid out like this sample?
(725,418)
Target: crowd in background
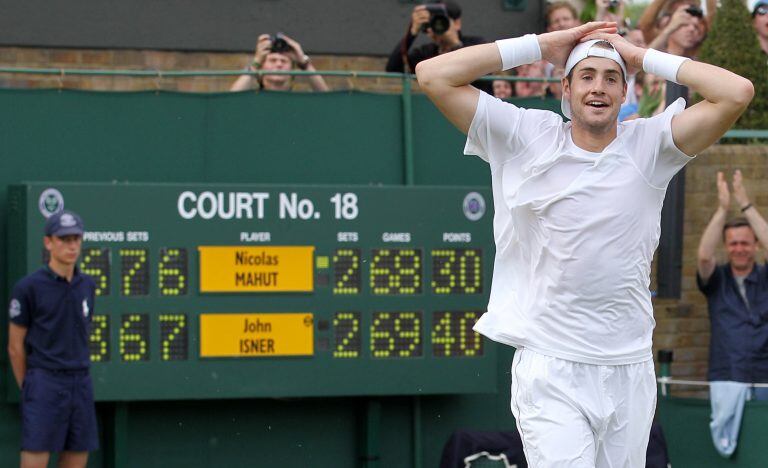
(675,26)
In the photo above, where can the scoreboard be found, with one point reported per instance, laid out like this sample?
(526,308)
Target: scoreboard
(231,291)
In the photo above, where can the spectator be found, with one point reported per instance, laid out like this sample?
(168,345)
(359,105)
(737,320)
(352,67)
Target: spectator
(760,22)
(648,91)
(502,89)
(635,36)
(555,88)
(656,18)
(441,22)
(681,33)
(561,15)
(610,10)
(737,291)
(50,316)
(531,88)
(278,53)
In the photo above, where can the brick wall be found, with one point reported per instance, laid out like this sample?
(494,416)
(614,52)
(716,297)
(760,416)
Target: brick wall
(683,325)
(23,57)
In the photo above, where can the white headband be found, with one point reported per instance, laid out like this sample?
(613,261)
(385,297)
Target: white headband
(584,50)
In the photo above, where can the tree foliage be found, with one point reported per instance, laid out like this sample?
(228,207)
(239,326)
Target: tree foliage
(732,44)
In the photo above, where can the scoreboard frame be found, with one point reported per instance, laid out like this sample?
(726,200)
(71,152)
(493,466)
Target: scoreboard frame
(388,283)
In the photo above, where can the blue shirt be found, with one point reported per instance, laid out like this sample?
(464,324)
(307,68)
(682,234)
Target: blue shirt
(738,348)
(57,315)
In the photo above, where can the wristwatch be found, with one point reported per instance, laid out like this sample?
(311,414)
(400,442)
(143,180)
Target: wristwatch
(304,62)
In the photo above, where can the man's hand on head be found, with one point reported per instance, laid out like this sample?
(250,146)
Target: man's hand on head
(723,195)
(739,191)
(556,46)
(419,17)
(632,54)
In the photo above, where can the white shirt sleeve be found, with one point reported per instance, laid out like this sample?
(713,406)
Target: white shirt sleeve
(657,156)
(500,131)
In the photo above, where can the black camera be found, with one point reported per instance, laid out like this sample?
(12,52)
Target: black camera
(695,11)
(439,21)
(279,44)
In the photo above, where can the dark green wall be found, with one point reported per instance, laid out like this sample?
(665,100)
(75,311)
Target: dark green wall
(329,138)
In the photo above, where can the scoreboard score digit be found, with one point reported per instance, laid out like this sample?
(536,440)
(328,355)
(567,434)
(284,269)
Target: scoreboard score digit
(264,291)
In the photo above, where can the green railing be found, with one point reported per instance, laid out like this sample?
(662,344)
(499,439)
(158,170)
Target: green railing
(404,77)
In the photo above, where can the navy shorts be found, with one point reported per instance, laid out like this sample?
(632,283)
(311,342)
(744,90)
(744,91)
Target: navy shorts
(57,412)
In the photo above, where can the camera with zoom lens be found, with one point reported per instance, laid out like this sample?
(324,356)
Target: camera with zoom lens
(279,44)
(439,21)
(695,11)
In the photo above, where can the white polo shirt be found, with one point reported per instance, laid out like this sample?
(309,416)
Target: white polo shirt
(575,231)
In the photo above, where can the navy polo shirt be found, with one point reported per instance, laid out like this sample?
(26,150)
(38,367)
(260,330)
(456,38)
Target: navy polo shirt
(57,315)
(738,348)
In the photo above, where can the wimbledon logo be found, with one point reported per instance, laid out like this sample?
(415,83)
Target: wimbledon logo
(50,202)
(473,206)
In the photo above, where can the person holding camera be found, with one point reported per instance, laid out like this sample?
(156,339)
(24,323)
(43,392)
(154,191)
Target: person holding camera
(610,10)
(678,26)
(682,32)
(441,22)
(277,53)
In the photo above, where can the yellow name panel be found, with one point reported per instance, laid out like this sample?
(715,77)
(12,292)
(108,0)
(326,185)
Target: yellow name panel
(256,269)
(256,335)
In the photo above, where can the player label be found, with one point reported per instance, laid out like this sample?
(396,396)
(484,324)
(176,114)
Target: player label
(256,335)
(256,269)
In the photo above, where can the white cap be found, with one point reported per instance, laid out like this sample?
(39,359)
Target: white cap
(752,4)
(584,50)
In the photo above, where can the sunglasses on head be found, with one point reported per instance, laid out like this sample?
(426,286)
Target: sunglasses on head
(761,10)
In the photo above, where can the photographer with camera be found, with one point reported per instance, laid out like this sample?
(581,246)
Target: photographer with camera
(682,32)
(277,53)
(441,22)
(677,26)
(610,10)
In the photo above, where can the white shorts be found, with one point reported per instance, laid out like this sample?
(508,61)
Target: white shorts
(571,414)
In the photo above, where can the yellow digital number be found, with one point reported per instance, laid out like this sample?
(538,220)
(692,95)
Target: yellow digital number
(470,342)
(95,264)
(134,335)
(173,337)
(442,338)
(443,280)
(396,334)
(408,330)
(172,272)
(452,334)
(135,274)
(346,327)
(470,272)
(457,271)
(396,271)
(346,271)
(382,341)
(98,341)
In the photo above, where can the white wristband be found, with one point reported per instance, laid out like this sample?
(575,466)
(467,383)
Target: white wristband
(662,64)
(518,51)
